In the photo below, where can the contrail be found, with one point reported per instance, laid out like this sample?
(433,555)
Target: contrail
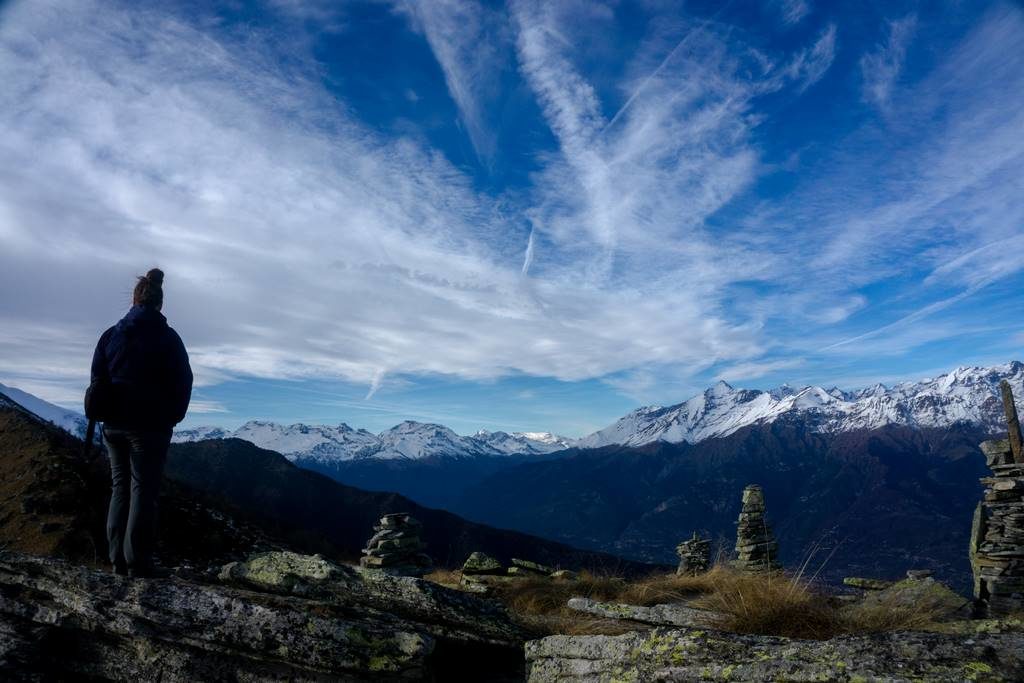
(528,258)
(661,66)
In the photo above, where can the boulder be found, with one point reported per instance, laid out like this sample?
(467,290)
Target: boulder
(481,563)
(281,616)
(565,575)
(702,654)
(923,595)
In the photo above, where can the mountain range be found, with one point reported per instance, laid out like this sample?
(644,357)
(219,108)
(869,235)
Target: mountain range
(967,394)
(406,441)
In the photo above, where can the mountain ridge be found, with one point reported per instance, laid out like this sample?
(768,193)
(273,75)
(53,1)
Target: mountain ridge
(968,394)
(408,440)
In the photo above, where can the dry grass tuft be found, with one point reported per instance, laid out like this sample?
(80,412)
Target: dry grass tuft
(662,588)
(769,604)
(889,616)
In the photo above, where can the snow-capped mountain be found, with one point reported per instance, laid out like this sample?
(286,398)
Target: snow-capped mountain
(963,395)
(68,420)
(200,434)
(408,440)
(524,442)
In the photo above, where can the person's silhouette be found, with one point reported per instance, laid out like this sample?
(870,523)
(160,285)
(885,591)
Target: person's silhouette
(143,363)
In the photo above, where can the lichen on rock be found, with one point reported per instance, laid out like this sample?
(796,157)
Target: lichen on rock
(692,655)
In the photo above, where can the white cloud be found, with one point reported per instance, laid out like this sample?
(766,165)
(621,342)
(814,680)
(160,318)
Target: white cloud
(810,65)
(756,369)
(881,67)
(300,243)
(204,407)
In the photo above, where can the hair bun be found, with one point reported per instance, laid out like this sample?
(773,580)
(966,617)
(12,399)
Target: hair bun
(156,276)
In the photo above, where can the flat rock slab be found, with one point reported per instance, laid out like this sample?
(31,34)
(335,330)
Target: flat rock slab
(697,655)
(535,567)
(443,611)
(285,617)
(657,615)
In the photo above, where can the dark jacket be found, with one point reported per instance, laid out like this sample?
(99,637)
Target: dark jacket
(147,365)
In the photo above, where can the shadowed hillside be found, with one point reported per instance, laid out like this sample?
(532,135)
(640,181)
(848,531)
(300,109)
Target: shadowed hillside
(286,496)
(885,500)
(52,502)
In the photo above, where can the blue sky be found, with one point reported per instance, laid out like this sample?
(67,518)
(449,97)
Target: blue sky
(522,215)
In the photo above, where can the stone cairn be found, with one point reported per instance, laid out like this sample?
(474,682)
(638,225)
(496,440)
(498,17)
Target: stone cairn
(396,547)
(997,534)
(694,556)
(756,547)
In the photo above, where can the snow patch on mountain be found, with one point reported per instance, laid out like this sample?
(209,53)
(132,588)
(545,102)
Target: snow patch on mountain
(68,420)
(967,394)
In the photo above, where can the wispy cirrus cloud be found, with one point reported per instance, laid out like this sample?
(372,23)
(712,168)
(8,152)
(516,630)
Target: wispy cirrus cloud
(792,11)
(881,67)
(810,65)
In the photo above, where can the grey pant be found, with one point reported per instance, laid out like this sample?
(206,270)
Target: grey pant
(136,468)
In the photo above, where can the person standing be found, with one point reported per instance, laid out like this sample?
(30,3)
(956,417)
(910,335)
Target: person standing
(143,365)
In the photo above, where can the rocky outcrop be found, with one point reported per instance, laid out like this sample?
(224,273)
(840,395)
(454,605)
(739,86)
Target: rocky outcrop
(756,547)
(694,556)
(656,615)
(925,595)
(278,616)
(396,548)
(699,654)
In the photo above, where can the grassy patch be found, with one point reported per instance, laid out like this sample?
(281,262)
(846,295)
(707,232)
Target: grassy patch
(776,604)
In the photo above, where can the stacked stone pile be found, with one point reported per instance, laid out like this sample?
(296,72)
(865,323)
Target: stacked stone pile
(694,556)
(396,547)
(997,535)
(756,547)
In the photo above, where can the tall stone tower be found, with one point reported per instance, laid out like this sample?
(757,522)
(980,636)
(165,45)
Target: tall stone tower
(756,547)
(997,534)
